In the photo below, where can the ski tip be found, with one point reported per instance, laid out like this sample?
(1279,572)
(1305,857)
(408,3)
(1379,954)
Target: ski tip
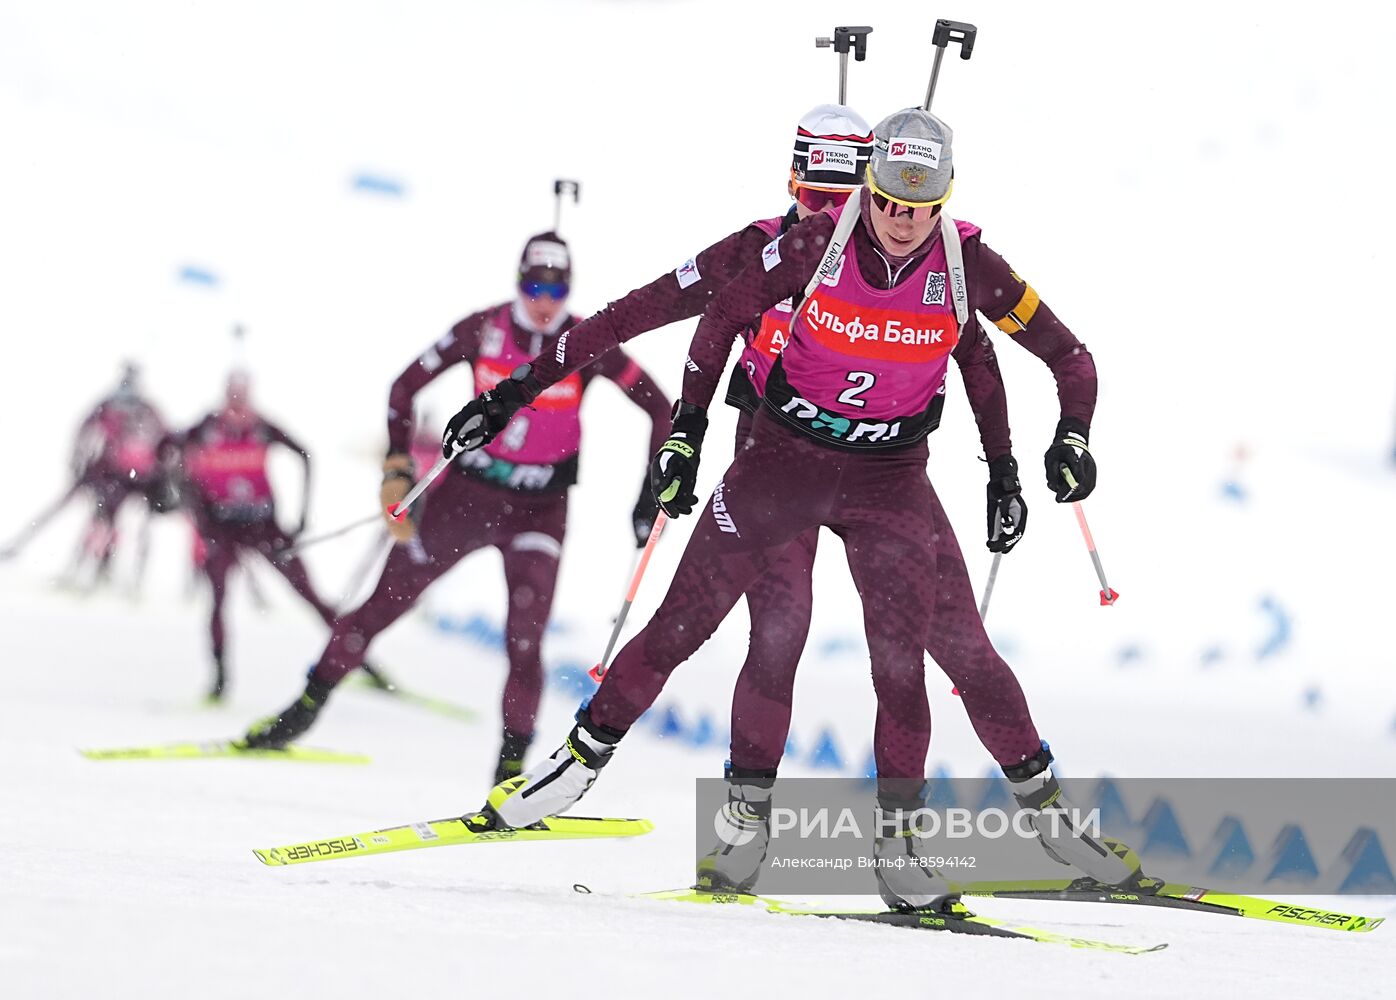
(271,857)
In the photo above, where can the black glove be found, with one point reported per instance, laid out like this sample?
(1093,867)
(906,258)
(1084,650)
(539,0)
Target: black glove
(642,517)
(674,468)
(1070,467)
(1008,511)
(484,417)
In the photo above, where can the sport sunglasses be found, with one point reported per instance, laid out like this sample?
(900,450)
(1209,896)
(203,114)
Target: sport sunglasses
(814,198)
(893,208)
(552,289)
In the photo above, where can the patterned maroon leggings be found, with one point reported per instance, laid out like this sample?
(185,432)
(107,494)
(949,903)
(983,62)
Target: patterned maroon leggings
(758,536)
(224,540)
(461,516)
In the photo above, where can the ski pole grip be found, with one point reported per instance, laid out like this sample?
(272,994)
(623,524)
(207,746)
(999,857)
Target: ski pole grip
(955,31)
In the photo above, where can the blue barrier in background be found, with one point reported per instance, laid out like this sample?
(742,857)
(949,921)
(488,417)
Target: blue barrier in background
(994,792)
(1363,867)
(703,731)
(1289,858)
(194,275)
(1114,815)
(669,725)
(1230,849)
(366,183)
(1282,628)
(1163,836)
(826,756)
(940,794)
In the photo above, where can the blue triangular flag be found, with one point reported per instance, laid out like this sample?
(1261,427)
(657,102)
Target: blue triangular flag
(1229,849)
(1363,865)
(1290,859)
(826,753)
(1163,836)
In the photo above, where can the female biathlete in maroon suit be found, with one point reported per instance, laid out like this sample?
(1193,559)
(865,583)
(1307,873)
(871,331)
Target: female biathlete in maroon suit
(114,457)
(224,459)
(839,442)
(511,495)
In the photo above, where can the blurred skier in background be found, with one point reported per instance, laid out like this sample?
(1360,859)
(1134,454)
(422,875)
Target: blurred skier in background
(222,463)
(511,495)
(875,326)
(114,459)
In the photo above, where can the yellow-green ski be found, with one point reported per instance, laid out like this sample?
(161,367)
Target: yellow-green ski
(470,829)
(439,706)
(1176,895)
(225,748)
(956,923)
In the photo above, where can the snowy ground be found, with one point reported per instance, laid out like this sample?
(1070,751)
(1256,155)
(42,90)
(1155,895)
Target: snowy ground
(1196,204)
(137,879)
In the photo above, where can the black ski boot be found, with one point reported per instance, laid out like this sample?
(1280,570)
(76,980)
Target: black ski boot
(275,732)
(511,756)
(220,680)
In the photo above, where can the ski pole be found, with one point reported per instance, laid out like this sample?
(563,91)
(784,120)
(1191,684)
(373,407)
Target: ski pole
(48,514)
(292,549)
(846,40)
(399,510)
(989,587)
(1108,595)
(599,671)
(945,33)
(560,188)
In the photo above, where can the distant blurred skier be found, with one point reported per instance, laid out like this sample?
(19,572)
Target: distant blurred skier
(839,442)
(222,461)
(114,459)
(511,495)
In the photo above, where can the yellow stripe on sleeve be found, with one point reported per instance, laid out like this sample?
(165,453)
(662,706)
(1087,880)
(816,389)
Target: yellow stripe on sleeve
(1020,315)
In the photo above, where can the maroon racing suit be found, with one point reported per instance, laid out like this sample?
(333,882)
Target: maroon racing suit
(780,601)
(225,464)
(512,495)
(114,458)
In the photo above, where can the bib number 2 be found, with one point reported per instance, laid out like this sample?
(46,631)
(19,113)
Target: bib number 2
(862,382)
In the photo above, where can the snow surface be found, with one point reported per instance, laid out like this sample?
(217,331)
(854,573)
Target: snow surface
(1197,191)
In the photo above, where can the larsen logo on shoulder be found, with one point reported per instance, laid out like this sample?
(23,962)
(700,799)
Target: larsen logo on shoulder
(934,295)
(919,150)
(839,158)
(687,273)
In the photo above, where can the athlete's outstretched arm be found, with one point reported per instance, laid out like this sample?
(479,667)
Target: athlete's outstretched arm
(460,344)
(764,282)
(676,295)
